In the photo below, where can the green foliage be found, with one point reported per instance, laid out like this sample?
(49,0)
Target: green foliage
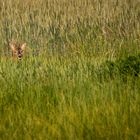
(123,67)
(130,65)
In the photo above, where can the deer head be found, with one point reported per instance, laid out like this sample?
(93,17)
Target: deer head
(18,50)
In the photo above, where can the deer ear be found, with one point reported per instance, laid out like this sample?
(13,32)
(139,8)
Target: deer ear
(12,46)
(23,46)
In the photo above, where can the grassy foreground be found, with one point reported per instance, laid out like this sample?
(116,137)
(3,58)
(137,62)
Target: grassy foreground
(81,78)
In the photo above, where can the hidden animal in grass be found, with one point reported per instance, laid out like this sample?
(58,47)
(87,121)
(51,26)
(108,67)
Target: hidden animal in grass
(18,50)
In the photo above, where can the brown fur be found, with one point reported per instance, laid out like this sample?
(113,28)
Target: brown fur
(18,50)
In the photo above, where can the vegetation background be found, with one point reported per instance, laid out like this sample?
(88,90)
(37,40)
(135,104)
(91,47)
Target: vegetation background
(81,78)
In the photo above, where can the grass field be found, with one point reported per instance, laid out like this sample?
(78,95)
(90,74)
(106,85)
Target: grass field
(81,78)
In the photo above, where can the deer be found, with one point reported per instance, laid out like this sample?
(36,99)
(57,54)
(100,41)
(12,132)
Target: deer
(18,50)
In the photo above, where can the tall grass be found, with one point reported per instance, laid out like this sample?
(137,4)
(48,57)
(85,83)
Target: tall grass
(81,77)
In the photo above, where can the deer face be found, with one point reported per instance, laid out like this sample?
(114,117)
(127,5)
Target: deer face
(18,50)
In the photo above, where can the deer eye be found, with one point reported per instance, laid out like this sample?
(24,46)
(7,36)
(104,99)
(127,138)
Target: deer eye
(21,51)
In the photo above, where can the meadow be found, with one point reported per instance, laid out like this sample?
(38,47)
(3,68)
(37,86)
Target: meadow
(80,79)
